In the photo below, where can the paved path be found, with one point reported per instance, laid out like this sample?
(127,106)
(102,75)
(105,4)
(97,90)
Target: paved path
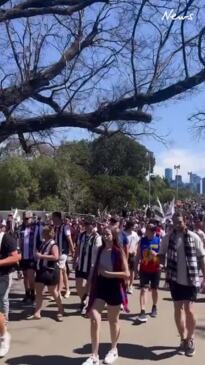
(47,342)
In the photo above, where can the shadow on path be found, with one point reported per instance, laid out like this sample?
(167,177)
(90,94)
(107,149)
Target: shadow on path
(44,360)
(135,352)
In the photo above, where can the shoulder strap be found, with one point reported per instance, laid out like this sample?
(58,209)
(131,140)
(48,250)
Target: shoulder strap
(1,237)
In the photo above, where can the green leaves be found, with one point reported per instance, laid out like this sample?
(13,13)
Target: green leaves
(82,177)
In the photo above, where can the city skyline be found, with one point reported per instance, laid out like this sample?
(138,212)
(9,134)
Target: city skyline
(174,178)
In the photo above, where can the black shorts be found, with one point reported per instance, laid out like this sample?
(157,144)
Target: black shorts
(27,264)
(131,261)
(49,277)
(81,275)
(149,279)
(109,290)
(182,292)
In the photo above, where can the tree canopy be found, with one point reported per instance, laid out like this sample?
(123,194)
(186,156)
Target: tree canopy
(95,64)
(81,177)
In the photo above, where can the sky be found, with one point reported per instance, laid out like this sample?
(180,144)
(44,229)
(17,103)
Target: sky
(170,120)
(181,145)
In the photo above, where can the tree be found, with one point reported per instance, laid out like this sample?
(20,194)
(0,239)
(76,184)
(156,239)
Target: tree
(95,64)
(119,155)
(72,161)
(15,183)
(44,171)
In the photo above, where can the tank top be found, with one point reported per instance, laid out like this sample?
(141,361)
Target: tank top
(149,262)
(46,249)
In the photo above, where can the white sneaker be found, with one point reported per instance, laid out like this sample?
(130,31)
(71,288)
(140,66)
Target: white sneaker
(5,344)
(92,360)
(130,290)
(67,294)
(111,357)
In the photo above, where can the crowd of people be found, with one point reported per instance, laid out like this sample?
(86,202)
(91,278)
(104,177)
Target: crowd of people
(107,253)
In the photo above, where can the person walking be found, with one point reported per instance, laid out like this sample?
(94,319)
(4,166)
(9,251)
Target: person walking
(88,244)
(184,249)
(107,288)
(133,240)
(8,259)
(27,248)
(147,258)
(47,273)
(65,245)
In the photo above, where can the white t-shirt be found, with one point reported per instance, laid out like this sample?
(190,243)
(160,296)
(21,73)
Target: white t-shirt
(67,230)
(201,234)
(133,240)
(182,277)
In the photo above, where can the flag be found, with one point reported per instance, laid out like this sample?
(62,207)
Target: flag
(15,213)
(171,210)
(160,206)
(159,212)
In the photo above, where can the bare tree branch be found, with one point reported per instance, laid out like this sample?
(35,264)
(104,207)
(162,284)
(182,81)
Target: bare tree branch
(43,9)
(201,35)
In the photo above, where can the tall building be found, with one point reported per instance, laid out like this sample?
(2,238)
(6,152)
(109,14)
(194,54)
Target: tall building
(168,173)
(195,181)
(178,180)
(203,186)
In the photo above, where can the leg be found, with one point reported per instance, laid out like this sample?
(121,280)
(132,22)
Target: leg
(155,280)
(113,318)
(143,297)
(56,295)
(81,287)
(132,277)
(66,283)
(2,325)
(179,318)
(190,319)
(95,316)
(5,285)
(31,280)
(26,283)
(60,285)
(39,298)
(67,270)
(154,296)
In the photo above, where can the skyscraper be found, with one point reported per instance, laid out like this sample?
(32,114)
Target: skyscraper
(168,175)
(178,180)
(203,186)
(196,183)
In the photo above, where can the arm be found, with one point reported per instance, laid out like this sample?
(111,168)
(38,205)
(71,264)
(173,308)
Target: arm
(138,254)
(163,249)
(202,262)
(125,274)
(71,245)
(12,259)
(126,251)
(76,255)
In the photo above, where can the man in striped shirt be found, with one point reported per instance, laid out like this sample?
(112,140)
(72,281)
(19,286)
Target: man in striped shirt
(88,244)
(28,245)
(65,245)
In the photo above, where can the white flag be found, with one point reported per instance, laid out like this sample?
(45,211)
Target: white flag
(171,210)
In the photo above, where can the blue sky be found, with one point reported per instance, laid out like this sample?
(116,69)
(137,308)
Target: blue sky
(182,146)
(171,120)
